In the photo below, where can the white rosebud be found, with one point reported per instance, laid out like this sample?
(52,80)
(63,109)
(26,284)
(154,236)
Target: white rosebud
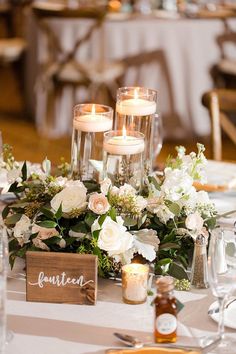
(62,243)
(73,197)
(105,185)
(98,203)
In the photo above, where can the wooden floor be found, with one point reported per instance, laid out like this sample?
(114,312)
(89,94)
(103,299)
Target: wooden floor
(28,145)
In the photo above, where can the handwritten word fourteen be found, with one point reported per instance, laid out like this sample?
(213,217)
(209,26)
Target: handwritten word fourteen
(60,280)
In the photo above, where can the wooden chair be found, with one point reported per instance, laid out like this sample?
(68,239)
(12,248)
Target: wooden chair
(224,71)
(66,68)
(221,103)
(12,46)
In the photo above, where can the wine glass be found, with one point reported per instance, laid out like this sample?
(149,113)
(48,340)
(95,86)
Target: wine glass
(157,137)
(222,277)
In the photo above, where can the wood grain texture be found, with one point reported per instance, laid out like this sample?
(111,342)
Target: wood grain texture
(57,278)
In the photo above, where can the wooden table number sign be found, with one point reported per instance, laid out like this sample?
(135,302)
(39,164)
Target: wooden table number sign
(61,277)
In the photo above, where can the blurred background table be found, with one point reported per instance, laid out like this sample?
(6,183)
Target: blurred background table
(173,56)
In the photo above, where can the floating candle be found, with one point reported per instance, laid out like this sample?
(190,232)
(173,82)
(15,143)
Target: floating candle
(92,121)
(124,144)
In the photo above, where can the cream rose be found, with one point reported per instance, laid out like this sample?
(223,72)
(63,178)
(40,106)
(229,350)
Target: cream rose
(194,221)
(72,197)
(98,203)
(113,236)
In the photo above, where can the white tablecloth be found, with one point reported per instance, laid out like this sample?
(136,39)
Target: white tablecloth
(189,48)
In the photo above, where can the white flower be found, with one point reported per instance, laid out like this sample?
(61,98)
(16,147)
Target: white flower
(126,189)
(98,203)
(203,198)
(72,197)
(177,183)
(59,182)
(114,191)
(113,236)
(141,203)
(78,235)
(74,183)
(14,175)
(105,185)
(21,230)
(158,207)
(194,222)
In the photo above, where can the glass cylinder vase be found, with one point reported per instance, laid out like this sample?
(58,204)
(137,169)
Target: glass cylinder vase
(135,109)
(89,124)
(123,158)
(134,283)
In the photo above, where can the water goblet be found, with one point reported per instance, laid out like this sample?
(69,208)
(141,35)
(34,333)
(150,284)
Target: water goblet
(222,277)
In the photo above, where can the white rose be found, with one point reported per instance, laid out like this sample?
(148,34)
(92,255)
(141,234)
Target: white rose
(98,203)
(62,243)
(73,197)
(21,230)
(194,222)
(114,237)
(105,185)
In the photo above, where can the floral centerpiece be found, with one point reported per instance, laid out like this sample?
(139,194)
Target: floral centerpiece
(56,213)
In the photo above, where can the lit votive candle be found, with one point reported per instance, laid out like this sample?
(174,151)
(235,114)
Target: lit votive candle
(134,283)
(136,102)
(118,143)
(95,119)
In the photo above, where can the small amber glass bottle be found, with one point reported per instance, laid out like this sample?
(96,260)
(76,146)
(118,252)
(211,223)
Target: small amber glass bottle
(165,328)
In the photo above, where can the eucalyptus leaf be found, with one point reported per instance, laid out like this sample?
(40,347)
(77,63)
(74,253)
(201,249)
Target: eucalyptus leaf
(89,219)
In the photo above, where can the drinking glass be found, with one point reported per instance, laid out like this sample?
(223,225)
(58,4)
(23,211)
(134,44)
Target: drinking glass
(222,277)
(157,138)
(1,144)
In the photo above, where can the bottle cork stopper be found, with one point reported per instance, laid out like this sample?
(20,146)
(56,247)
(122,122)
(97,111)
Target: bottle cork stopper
(165,284)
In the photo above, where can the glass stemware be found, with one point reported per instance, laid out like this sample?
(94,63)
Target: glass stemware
(222,277)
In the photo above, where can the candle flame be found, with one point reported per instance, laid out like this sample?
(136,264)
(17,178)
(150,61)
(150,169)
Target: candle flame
(136,92)
(124,132)
(93,110)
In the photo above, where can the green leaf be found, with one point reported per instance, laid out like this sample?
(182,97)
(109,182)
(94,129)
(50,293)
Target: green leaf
(48,213)
(168,246)
(164,261)
(13,187)
(58,214)
(177,271)
(112,214)
(89,219)
(5,212)
(153,181)
(49,224)
(12,259)
(52,240)
(12,220)
(174,208)
(129,222)
(80,227)
(13,245)
(21,252)
(92,186)
(142,220)
(24,171)
(102,219)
